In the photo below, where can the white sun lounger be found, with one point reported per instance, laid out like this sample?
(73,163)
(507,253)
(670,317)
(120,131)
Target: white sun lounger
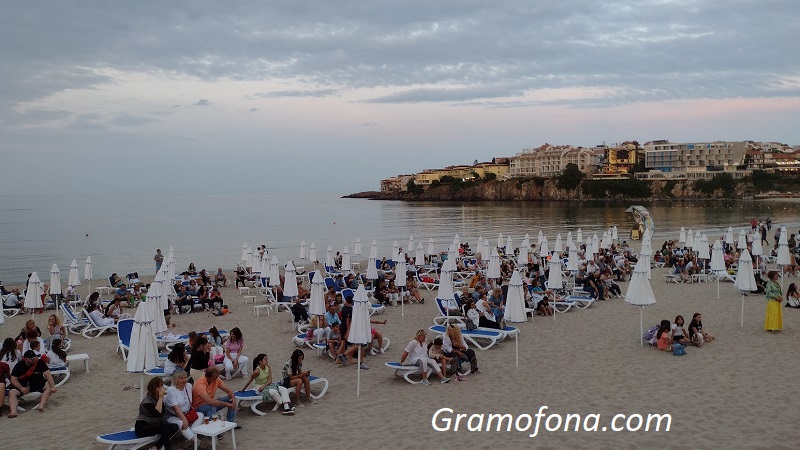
(126,440)
(254,398)
(404,371)
(483,338)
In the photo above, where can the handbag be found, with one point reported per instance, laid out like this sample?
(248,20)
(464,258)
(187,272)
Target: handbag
(191,415)
(287,382)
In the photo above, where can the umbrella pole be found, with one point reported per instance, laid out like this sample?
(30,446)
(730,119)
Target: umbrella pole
(402,304)
(141,386)
(516,347)
(641,326)
(742,320)
(358,369)
(717,285)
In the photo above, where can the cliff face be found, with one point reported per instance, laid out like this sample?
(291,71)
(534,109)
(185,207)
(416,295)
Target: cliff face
(548,190)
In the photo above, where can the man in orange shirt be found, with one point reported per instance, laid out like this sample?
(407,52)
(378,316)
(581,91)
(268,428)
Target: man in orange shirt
(203,399)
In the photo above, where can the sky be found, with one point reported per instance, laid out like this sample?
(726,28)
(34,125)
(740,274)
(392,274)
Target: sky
(332,96)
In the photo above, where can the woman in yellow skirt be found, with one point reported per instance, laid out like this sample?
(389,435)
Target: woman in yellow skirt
(773,320)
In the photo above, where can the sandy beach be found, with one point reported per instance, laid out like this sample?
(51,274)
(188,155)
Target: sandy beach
(736,392)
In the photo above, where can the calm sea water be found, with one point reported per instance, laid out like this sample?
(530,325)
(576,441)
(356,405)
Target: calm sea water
(124,232)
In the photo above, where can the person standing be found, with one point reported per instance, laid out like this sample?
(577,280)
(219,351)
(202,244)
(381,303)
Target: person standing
(773,321)
(159,259)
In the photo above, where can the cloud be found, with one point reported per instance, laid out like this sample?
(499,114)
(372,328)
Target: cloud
(253,109)
(202,102)
(369,124)
(297,93)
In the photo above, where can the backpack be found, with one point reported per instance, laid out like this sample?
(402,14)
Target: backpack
(650,335)
(678,350)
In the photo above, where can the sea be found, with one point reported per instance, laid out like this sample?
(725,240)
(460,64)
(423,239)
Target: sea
(122,233)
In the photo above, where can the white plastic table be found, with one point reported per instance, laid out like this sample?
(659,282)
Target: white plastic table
(80,357)
(214,429)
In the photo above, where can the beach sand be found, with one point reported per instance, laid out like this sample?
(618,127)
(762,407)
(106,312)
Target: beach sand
(736,392)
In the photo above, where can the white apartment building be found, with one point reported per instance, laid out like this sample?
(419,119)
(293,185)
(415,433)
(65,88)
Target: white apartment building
(550,160)
(667,160)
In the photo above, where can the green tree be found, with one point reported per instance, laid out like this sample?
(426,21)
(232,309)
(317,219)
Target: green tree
(489,176)
(570,178)
(413,188)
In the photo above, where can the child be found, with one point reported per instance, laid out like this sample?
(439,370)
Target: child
(663,340)
(435,353)
(679,334)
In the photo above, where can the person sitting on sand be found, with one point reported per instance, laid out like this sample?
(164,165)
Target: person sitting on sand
(412,289)
(220,279)
(792,296)
(267,386)
(415,353)
(696,333)
(679,334)
(663,340)
(31,374)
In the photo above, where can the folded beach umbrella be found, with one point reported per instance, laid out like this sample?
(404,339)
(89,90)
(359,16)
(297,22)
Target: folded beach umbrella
(372,270)
(572,260)
(702,250)
(446,291)
(522,258)
(360,331)
(690,239)
(249,258)
(718,262)
(170,281)
(244,251)
(569,239)
(509,244)
(87,272)
(55,285)
(696,240)
(274,271)
(543,250)
(456,240)
(745,277)
(312,253)
(290,280)
(357,249)
(486,248)
(640,293)
(329,256)
(558,247)
(595,244)
(539,238)
(554,278)
(614,233)
(374,248)
(479,248)
(500,240)
(494,265)
(729,236)
(33,295)
(74,275)
(410,247)
(346,265)
(579,235)
(316,304)
(758,250)
(515,306)
(431,250)
(741,243)
(419,258)
(303,252)
(400,281)
(143,351)
(783,248)
(157,303)
(646,252)
(395,249)
(452,253)
(682,236)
